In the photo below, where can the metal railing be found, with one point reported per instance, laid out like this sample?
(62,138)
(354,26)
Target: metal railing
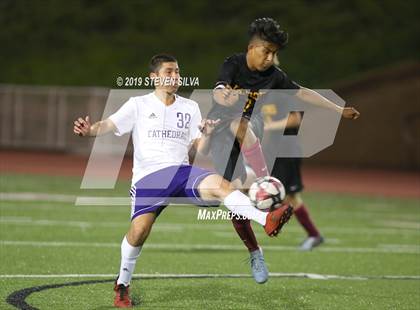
(42,117)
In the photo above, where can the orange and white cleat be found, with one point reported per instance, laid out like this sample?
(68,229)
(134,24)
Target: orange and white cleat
(276,219)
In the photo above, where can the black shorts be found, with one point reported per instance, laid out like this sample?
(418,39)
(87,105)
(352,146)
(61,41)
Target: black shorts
(287,170)
(225,150)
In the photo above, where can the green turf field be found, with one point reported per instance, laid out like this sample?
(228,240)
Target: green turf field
(369,237)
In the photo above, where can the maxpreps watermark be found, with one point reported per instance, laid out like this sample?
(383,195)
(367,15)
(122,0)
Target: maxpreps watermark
(156,81)
(219,214)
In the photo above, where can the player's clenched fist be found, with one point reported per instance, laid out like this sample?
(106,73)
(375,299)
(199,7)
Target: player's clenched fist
(82,126)
(351,113)
(226,96)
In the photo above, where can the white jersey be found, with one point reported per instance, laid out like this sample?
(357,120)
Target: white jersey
(161,134)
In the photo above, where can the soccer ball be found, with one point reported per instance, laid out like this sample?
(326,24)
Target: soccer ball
(266,193)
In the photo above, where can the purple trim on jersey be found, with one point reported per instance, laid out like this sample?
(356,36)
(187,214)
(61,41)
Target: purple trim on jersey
(152,192)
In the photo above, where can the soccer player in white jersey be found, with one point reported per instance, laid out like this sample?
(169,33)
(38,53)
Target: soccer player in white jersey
(164,126)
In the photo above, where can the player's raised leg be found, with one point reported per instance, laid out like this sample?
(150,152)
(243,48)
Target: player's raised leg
(250,145)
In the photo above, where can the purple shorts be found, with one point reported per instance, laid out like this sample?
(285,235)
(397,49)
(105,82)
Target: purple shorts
(153,192)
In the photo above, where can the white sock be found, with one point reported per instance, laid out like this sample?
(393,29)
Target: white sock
(129,256)
(239,203)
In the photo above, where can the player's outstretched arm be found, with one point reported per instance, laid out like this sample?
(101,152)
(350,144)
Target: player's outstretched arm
(84,128)
(312,97)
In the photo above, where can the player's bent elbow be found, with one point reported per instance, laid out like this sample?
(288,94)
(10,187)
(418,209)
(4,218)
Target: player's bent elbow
(214,187)
(109,126)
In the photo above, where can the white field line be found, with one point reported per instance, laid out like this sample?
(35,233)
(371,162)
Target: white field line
(226,234)
(204,225)
(312,276)
(191,247)
(107,201)
(25,221)
(37,197)
(57,207)
(188,211)
(77,200)
(401,246)
(126,201)
(401,224)
(102,201)
(385,205)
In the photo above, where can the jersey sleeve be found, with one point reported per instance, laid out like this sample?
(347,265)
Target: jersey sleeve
(227,72)
(125,118)
(195,132)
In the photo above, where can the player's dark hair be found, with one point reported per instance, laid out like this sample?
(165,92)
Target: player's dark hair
(268,29)
(158,59)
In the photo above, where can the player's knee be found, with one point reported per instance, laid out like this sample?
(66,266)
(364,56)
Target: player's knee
(215,187)
(224,188)
(294,199)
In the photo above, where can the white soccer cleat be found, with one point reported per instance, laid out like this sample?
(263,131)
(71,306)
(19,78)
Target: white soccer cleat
(258,267)
(311,242)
